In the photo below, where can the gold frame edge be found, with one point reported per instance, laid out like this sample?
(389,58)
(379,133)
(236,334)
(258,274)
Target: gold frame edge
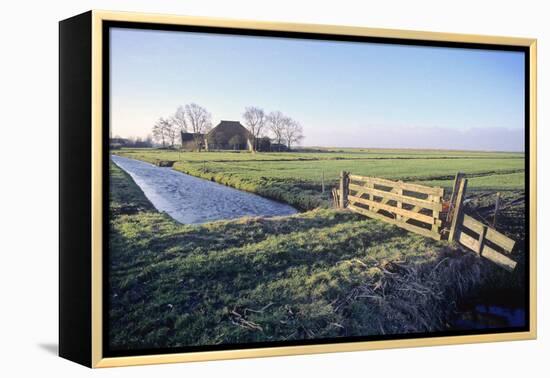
(98,360)
(97,192)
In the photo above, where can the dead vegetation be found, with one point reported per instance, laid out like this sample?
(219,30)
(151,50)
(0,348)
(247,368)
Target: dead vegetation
(418,298)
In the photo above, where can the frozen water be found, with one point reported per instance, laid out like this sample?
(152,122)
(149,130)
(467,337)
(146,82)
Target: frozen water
(189,199)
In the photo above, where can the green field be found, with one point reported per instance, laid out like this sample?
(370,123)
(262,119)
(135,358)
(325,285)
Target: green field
(317,274)
(323,273)
(296,178)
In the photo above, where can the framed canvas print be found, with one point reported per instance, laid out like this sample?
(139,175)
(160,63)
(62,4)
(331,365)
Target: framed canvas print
(235,189)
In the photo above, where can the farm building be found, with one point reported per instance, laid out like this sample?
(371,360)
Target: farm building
(227,135)
(192,141)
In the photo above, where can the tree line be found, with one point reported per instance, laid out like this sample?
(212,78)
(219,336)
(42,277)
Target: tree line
(191,118)
(195,119)
(280,127)
(131,142)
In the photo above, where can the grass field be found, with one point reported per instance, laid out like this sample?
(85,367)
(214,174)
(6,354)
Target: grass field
(319,274)
(296,178)
(323,273)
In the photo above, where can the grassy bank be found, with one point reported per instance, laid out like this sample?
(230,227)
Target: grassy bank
(323,273)
(297,178)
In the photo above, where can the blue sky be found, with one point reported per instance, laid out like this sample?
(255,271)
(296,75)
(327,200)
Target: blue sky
(344,94)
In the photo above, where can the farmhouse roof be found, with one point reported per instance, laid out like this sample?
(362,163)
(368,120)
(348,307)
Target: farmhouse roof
(230,127)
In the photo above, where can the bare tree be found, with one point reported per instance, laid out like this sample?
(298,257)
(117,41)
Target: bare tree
(164,132)
(179,121)
(254,120)
(276,122)
(292,132)
(159,132)
(199,121)
(170,130)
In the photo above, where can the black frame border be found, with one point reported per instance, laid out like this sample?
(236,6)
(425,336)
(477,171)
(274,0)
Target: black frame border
(107,25)
(75,189)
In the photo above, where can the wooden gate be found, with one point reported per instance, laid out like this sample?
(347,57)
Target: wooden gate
(413,207)
(420,209)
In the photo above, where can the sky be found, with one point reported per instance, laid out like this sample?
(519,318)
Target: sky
(344,94)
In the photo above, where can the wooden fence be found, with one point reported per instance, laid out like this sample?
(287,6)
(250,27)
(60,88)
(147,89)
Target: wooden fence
(422,210)
(413,207)
(487,242)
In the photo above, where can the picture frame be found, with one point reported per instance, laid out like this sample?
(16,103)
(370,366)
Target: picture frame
(85,143)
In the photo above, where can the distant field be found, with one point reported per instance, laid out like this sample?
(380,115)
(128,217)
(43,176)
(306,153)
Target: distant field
(322,273)
(317,274)
(297,177)
(315,154)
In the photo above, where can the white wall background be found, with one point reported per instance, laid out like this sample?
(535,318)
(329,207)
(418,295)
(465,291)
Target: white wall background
(28,205)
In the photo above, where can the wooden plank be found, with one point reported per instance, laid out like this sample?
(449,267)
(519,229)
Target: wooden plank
(335,196)
(493,235)
(468,242)
(400,184)
(472,224)
(406,226)
(414,210)
(487,252)
(407,213)
(359,190)
(435,212)
(481,239)
(399,202)
(498,258)
(501,240)
(457,212)
(459,176)
(341,191)
(384,201)
(397,197)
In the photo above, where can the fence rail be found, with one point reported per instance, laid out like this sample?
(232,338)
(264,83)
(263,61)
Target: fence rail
(420,209)
(487,242)
(399,184)
(413,207)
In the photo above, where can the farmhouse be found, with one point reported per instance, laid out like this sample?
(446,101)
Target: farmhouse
(227,135)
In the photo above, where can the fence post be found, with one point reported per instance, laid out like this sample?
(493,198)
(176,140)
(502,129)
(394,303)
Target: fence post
(457,208)
(497,204)
(344,189)
(459,176)
(435,213)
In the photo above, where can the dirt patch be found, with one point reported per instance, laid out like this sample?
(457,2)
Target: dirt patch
(165,163)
